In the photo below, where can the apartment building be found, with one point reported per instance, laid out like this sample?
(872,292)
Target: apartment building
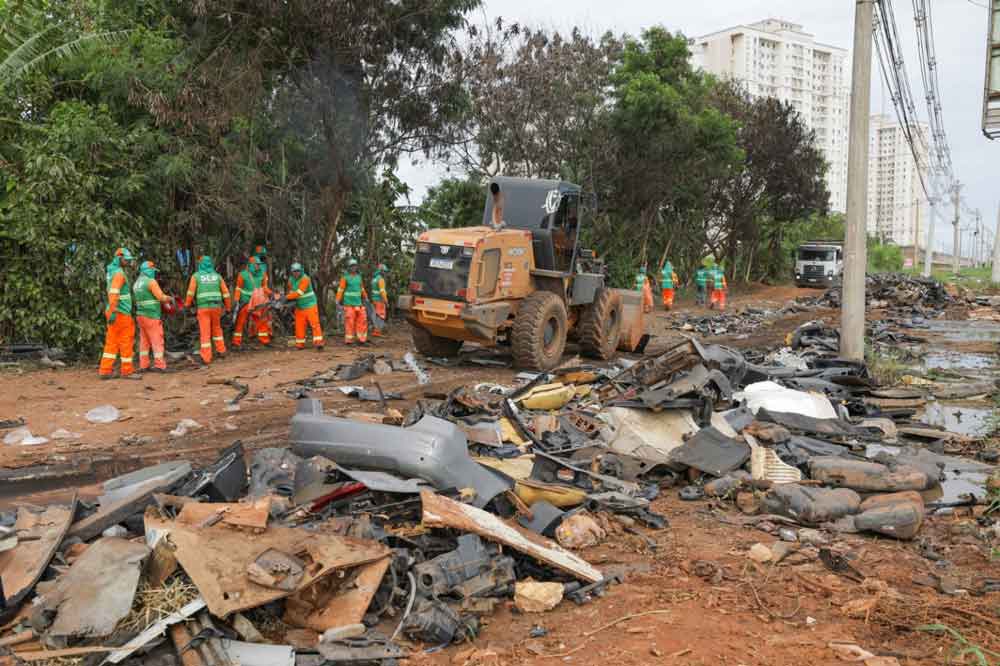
(896,201)
(776,58)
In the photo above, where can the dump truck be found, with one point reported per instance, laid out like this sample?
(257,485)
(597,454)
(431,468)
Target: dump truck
(819,263)
(521,279)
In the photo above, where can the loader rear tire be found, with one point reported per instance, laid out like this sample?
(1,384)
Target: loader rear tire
(432,345)
(538,337)
(601,325)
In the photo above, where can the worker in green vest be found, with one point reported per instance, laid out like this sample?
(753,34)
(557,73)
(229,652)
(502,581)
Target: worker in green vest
(701,284)
(379,297)
(119,339)
(642,286)
(301,291)
(668,281)
(250,294)
(208,291)
(719,286)
(149,301)
(352,295)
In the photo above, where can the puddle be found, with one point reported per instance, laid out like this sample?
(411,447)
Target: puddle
(962,477)
(958,361)
(972,421)
(966,331)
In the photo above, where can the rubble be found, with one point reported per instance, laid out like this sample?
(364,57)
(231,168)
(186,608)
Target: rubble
(361,536)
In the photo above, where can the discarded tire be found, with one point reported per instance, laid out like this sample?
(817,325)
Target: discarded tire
(539,335)
(432,345)
(601,325)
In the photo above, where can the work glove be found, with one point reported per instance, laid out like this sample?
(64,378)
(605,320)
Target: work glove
(112,317)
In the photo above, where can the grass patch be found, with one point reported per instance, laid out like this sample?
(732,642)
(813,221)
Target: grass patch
(962,649)
(886,368)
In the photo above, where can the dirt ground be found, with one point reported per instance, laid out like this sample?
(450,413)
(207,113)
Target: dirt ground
(696,596)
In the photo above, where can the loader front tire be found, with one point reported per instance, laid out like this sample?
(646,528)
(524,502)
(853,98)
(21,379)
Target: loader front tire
(432,345)
(539,333)
(601,325)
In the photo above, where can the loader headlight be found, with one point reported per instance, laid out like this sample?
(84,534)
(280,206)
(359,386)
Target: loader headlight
(468,251)
(423,247)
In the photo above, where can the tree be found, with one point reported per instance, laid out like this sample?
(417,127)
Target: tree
(537,103)
(454,202)
(671,144)
(781,183)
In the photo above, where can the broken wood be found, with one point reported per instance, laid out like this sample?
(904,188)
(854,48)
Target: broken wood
(116,512)
(440,511)
(334,603)
(216,559)
(253,514)
(65,653)
(22,566)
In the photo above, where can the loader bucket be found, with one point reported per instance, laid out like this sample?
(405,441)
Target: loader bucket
(633,336)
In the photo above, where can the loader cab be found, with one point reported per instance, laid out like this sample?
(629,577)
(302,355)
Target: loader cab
(549,209)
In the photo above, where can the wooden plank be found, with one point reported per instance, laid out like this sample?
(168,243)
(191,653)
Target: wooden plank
(216,559)
(334,603)
(41,534)
(82,651)
(239,515)
(17,639)
(440,511)
(114,513)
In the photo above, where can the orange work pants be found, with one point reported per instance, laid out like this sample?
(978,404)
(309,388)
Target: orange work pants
(381,312)
(647,297)
(355,324)
(118,341)
(263,326)
(721,298)
(210,332)
(151,338)
(309,316)
(668,299)
(241,322)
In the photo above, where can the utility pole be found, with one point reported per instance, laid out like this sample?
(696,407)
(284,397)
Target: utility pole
(995,273)
(929,247)
(979,238)
(852,309)
(956,247)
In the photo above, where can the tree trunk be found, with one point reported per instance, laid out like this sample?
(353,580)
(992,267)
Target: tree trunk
(333,198)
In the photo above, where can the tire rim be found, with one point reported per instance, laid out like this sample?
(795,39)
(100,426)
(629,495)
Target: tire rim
(611,327)
(550,333)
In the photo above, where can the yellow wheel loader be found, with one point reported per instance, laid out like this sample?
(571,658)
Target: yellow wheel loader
(519,279)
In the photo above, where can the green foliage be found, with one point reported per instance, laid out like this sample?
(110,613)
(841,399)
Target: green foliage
(884,257)
(453,202)
(961,649)
(815,227)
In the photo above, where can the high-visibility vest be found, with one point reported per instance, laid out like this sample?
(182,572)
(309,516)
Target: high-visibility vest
(209,289)
(124,295)
(701,277)
(249,284)
(146,304)
(640,281)
(352,289)
(306,298)
(667,276)
(720,279)
(376,294)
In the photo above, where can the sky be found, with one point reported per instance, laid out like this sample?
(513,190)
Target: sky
(960,40)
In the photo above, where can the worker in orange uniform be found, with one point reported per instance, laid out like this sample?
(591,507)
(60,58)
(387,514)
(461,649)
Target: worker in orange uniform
(306,310)
(119,339)
(149,300)
(379,297)
(209,291)
(260,253)
(668,281)
(642,285)
(719,287)
(352,295)
(250,293)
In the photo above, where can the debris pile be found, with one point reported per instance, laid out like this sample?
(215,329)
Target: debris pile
(899,291)
(737,322)
(367,539)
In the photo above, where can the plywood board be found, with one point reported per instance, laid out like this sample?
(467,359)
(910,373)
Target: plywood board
(40,534)
(216,559)
(440,511)
(329,603)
